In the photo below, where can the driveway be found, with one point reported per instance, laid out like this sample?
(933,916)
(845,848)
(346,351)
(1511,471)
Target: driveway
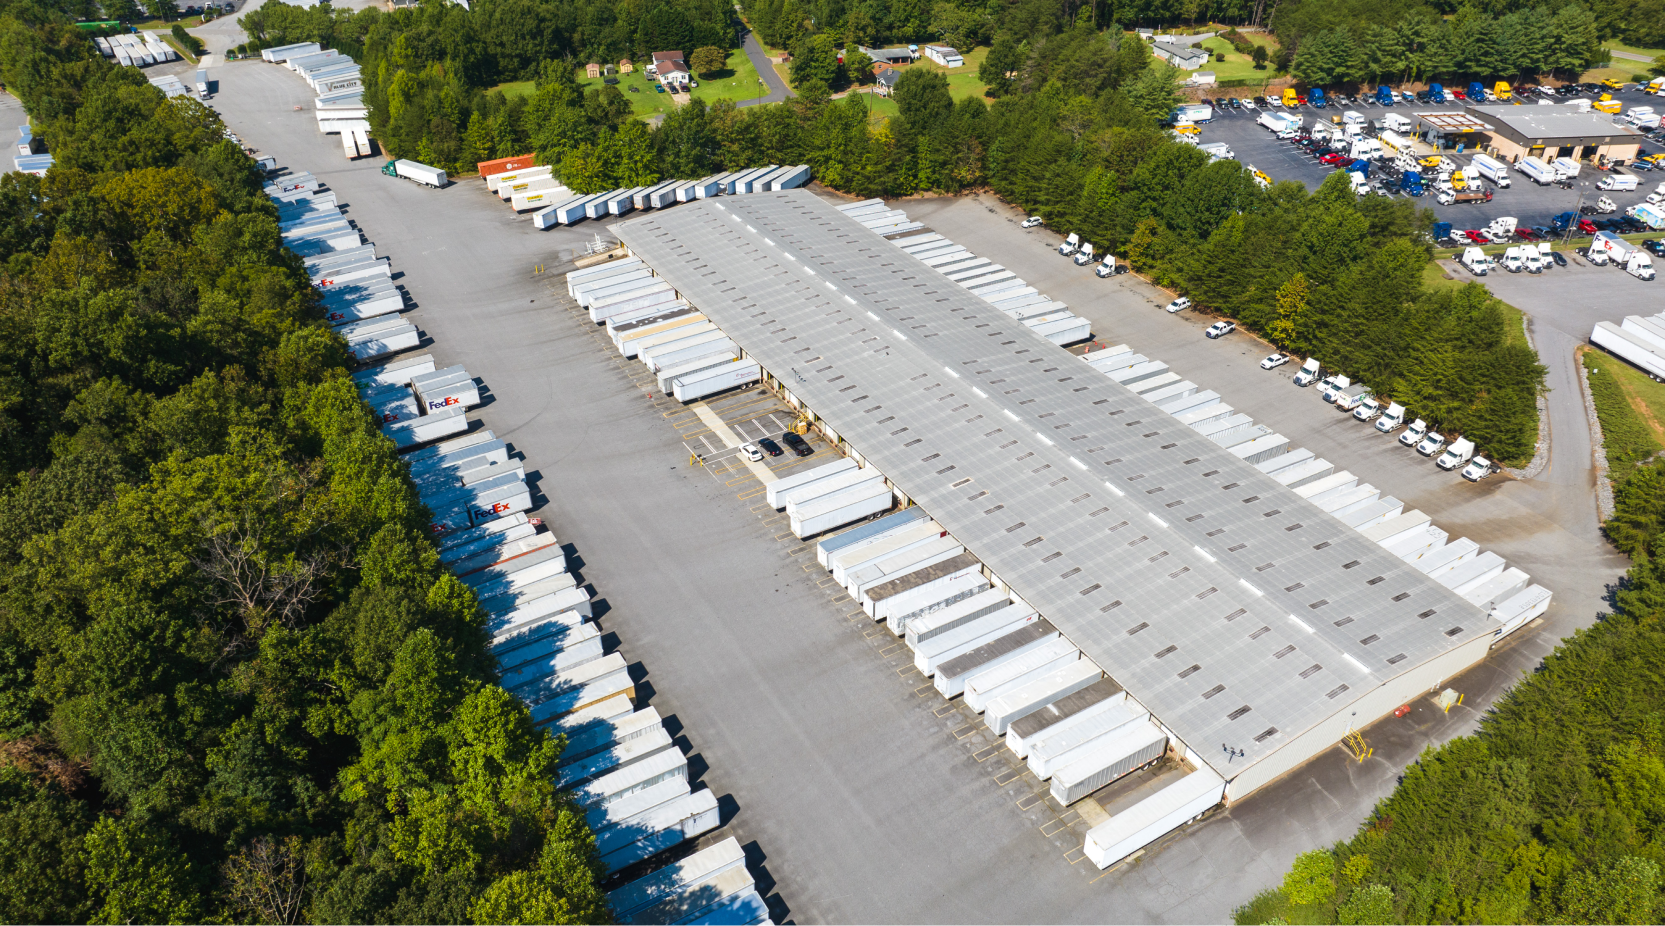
(778,90)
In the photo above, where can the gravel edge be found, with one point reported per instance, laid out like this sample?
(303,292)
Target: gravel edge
(1604,486)
(1540,453)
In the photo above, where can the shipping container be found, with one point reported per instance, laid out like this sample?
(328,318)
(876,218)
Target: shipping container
(848,478)
(791,178)
(604,204)
(861,580)
(451,386)
(729,897)
(617,756)
(925,627)
(512,190)
(426,456)
(952,674)
(391,403)
(395,372)
(1028,718)
(931,597)
(699,355)
(495,182)
(772,493)
(555,655)
(504,165)
(720,379)
(571,605)
(665,195)
(970,635)
(674,880)
(573,210)
(638,306)
(603,735)
(1487,595)
(630,341)
(372,307)
(885,599)
(614,786)
(865,534)
(668,825)
(380,342)
(283,53)
(426,429)
(1128,749)
(1145,822)
(996,679)
(298,61)
(694,337)
(577,279)
(876,547)
(1073,738)
(616,706)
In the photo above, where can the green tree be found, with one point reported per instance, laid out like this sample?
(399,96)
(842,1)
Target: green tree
(857,65)
(1259,56)
(1311,880)
(1001,65)
(708,60)
(1370,905)
(1286,328)
(1625,891)
(139,875)
(815,57)
(1155,93)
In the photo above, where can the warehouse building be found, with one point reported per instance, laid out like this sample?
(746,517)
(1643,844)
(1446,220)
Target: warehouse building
(1256,628)
(1551,132)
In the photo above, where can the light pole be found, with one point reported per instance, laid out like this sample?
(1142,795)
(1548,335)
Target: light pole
(1578,211)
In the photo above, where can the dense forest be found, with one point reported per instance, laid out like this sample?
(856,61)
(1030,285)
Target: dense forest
(1554,812)
(235,682)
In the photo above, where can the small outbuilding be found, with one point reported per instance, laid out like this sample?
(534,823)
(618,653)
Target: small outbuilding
(945,55)
(592,70)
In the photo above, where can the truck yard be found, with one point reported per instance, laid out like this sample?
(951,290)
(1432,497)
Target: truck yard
(841,781)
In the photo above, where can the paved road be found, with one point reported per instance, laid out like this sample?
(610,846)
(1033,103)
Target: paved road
(1628,56)
(778,90)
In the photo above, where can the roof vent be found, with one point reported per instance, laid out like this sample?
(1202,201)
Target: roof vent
(1133,630)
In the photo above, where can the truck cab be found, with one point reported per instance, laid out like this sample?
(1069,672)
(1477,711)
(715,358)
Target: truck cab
(1478,469)
(1290,97)
(1410,183)
(1501,90)
(1456,455)
(1369,409)
(1392,419)
(1413,435)
(1084,256)
(1431,443)
(1476,260)
(1315,96)
(1333,385)
(1107,268)
(1640,266)
(1308,373)
(1513,261)
(1070,245)
(1384,96)
(1476,92)
(1532,260)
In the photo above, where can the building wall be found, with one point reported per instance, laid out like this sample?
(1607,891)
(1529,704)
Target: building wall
(1372,707)
(1510,150)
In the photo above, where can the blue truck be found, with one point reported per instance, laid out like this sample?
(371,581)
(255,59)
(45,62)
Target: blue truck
(1384,96)
(1442,231)
(1315,96)
(1436,93)
(1360,167)
(1563,221)
(1410,183)
(1476,92)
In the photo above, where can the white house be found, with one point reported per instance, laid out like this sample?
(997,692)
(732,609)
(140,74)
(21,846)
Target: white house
(944,55)
(1186,59)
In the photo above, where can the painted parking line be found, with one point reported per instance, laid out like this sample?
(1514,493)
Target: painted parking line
(723,433)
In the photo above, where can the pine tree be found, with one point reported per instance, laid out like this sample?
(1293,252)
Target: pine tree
(1286,328)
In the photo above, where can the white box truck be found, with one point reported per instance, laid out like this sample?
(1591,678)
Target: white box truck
(419,173)
(1619,183)
(1492,169)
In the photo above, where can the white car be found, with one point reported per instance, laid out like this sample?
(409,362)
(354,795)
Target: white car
(1431,444)
(1249,103)
(1274,361)
(1032,221)
(1220,329)
(1179,305)
(1478,469)
(752,453)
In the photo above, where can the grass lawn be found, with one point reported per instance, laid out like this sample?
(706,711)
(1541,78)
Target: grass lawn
(190,22)
(517,88)
(1237,66)
(1651,53)
(1622,73)
(962,81)
(1631,408)
(739,83)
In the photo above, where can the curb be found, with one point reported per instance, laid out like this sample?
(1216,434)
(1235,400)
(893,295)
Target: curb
(1540,453)
(1604,487)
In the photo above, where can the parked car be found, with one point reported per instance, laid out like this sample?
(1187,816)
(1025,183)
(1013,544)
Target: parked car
(1527,234)
(1654,246)
(751,452)
(1475,236)
(1274,361)
(1587,227)
(799,446)
(1220,329)
(769,446)
(1032,221)
(1179,305)
(1559,258)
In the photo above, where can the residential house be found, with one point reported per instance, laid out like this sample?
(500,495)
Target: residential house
(886,77)
(670,69)
(888,55)
(1186,59)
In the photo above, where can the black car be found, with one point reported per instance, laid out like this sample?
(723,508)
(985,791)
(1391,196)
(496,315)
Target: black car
(1559,258)
(799,446)
(1236,103)
(769,446)
(1654,246)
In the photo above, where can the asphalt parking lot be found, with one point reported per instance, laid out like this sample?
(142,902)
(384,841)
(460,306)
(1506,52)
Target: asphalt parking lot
(1527,202)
